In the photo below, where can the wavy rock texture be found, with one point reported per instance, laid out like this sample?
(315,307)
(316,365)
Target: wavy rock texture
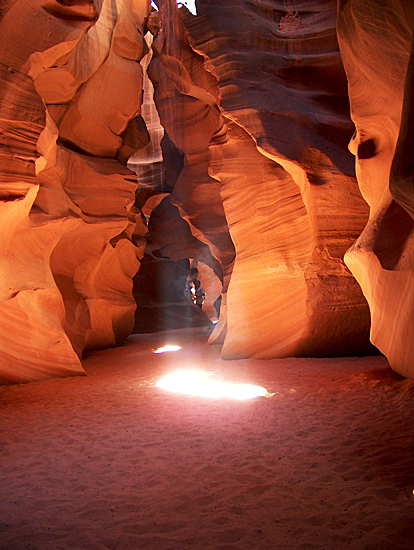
(186,98)
(67,226)
(160,282)
(246,154)
(284,171)
(376,46)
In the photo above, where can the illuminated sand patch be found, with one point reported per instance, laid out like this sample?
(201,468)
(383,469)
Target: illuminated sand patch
(167,348)
(196,382)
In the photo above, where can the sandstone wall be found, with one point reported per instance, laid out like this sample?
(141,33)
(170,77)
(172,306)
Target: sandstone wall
(376,46)
(70,91)
(240,161)
(287,182)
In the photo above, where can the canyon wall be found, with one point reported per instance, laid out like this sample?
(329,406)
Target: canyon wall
(289,192)
(376,46)
(235,156)
(71,241)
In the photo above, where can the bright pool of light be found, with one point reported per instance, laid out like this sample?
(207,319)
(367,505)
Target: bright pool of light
(196,382)
(167,348)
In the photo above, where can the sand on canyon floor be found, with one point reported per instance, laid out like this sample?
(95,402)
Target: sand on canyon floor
(110,461)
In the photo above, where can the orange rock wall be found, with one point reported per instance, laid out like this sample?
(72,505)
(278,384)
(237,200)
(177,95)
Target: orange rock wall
(289,194)
(257,182)
(67,258)
(376,46)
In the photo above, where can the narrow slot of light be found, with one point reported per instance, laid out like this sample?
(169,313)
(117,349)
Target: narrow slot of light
(190,5)
(197,383)
(167,348)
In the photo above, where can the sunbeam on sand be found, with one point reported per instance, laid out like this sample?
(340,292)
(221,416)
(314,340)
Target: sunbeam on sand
(200,383)
(109,461)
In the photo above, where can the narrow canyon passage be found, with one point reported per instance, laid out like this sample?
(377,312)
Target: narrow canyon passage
(109,461)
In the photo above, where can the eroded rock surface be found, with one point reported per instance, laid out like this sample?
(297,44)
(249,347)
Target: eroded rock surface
(289,194)
(376,45)
(241,163)
(68,258)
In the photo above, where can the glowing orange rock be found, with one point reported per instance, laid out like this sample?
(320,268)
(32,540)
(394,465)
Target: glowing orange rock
(279,172)
(67,253)
(376,46)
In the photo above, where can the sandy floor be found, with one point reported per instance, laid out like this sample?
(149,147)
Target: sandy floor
(109,461)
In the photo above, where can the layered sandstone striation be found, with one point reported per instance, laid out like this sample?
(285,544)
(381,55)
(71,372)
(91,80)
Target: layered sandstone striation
(376,46)
(159,285)
(236,147)
(71,89)
(289,194)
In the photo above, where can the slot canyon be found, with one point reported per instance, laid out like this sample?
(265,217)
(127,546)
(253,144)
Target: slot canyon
(263,146)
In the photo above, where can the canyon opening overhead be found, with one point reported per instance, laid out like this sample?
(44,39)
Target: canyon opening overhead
(223,187)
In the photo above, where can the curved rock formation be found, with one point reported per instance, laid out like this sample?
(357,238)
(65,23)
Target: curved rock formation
(376,46)
(68,256)
(186,98)
(244,166)
(284,171)
(160,282)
